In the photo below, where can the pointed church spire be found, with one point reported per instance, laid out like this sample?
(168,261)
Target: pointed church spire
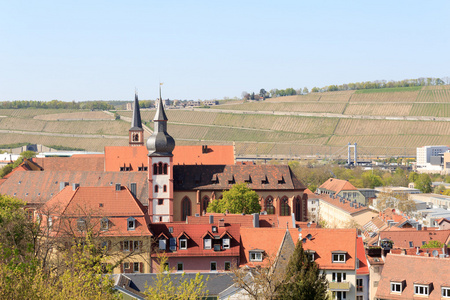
(160,143)
(136,122)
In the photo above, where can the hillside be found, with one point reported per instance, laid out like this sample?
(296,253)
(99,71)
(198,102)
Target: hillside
(382,122)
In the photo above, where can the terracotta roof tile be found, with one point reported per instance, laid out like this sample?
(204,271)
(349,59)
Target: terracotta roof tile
(119,156)
(40,187)
(413,269)
(361,253)
(91,162)
(337,185)
(196,233)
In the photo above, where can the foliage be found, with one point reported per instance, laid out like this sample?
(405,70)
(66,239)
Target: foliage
(55,104)
(165,289)
(432,244)
(423,183)
(239,199)
(59,147)
(371,180)
(395,200)
(9,167)
(12,146)
(303,279)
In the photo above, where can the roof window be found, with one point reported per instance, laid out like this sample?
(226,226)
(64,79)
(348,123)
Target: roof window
(339,256)
(131,223)
(256,255)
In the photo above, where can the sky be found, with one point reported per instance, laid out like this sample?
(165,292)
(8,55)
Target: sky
(104,50)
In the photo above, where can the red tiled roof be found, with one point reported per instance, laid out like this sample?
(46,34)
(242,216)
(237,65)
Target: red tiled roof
(196,233)
(361,253)
(77,162)
(341,205)
(322,241)
(402,238)
(337,185)
(95,203)
(413,269)
(119,156)
(39,187)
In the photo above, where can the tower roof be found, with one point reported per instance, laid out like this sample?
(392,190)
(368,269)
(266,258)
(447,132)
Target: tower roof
(136,123)
(160,143)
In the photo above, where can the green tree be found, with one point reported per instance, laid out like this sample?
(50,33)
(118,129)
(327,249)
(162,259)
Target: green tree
(413,176)
(305,90)
(371,180)
(423,183)
(239,199)
(432,244)
(186,289)
(303,279)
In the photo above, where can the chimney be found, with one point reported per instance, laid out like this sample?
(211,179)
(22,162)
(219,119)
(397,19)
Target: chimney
(118,186)
(62,185)
(211,219)
(133,188)
(75,186)
(255,220)
(221,222)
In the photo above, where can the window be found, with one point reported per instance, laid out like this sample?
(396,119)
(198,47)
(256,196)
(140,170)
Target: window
(269,206)
(166,267)
(213,266)
(214,229)
(81,225)
(446,292)
(179,267)
(162,244)
(165,169)
(341,295)
(359,297)
(136,267)
(339,276)
(156,188)
(359,285)
(396,287)
(126,246)
(338,257)
(160,168)
(126,265)
(160,201)
(186,208)
(411,244)
(207,243)
(183,243)
(49,223)
(255,256)
(165,188)
(226,243)
(285,209)
(155,169)
(421,289)
(131,222)
(205,203)
(310,255)
(227,266)
(104,224)
(137,245)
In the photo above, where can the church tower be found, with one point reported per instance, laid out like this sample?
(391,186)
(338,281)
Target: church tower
(160,168)
(136,132)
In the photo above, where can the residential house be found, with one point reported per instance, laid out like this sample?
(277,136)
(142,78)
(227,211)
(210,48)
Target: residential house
(414,277)
(196,248)
(115,219)
(343,189)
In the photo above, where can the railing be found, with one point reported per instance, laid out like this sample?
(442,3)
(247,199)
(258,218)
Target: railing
(339,286)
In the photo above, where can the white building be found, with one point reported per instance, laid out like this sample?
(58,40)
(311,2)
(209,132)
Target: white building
(429,158)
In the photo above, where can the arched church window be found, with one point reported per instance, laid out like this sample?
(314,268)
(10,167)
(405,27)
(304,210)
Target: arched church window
(165,169)
(185,208)
(270,209)
(285,209)
(160,168)
(155,169)
(298,209)
(165,188)
(205,203)
(156,188)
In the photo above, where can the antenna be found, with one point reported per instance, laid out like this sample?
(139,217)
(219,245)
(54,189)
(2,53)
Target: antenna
(435,253)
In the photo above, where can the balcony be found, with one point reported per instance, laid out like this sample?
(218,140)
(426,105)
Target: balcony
(339,286)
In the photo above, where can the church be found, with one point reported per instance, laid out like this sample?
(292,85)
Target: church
(171,182)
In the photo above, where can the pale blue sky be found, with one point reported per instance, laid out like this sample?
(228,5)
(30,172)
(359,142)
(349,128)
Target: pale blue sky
(86,50)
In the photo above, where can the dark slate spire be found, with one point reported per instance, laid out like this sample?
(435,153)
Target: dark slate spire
(160,143)
(136,123)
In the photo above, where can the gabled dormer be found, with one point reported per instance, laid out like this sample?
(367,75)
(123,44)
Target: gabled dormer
(226,239)
(183,239)
(162,241)
(207,240)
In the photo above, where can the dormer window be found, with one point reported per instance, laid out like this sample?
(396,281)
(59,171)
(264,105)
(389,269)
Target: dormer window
(256,255)
(445,292)
(339,256)
(162,243)
(207,242)
(104,224)
(226,243)
(310,254)
(421,289)
(183,244)
(131,223)
(396,286)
